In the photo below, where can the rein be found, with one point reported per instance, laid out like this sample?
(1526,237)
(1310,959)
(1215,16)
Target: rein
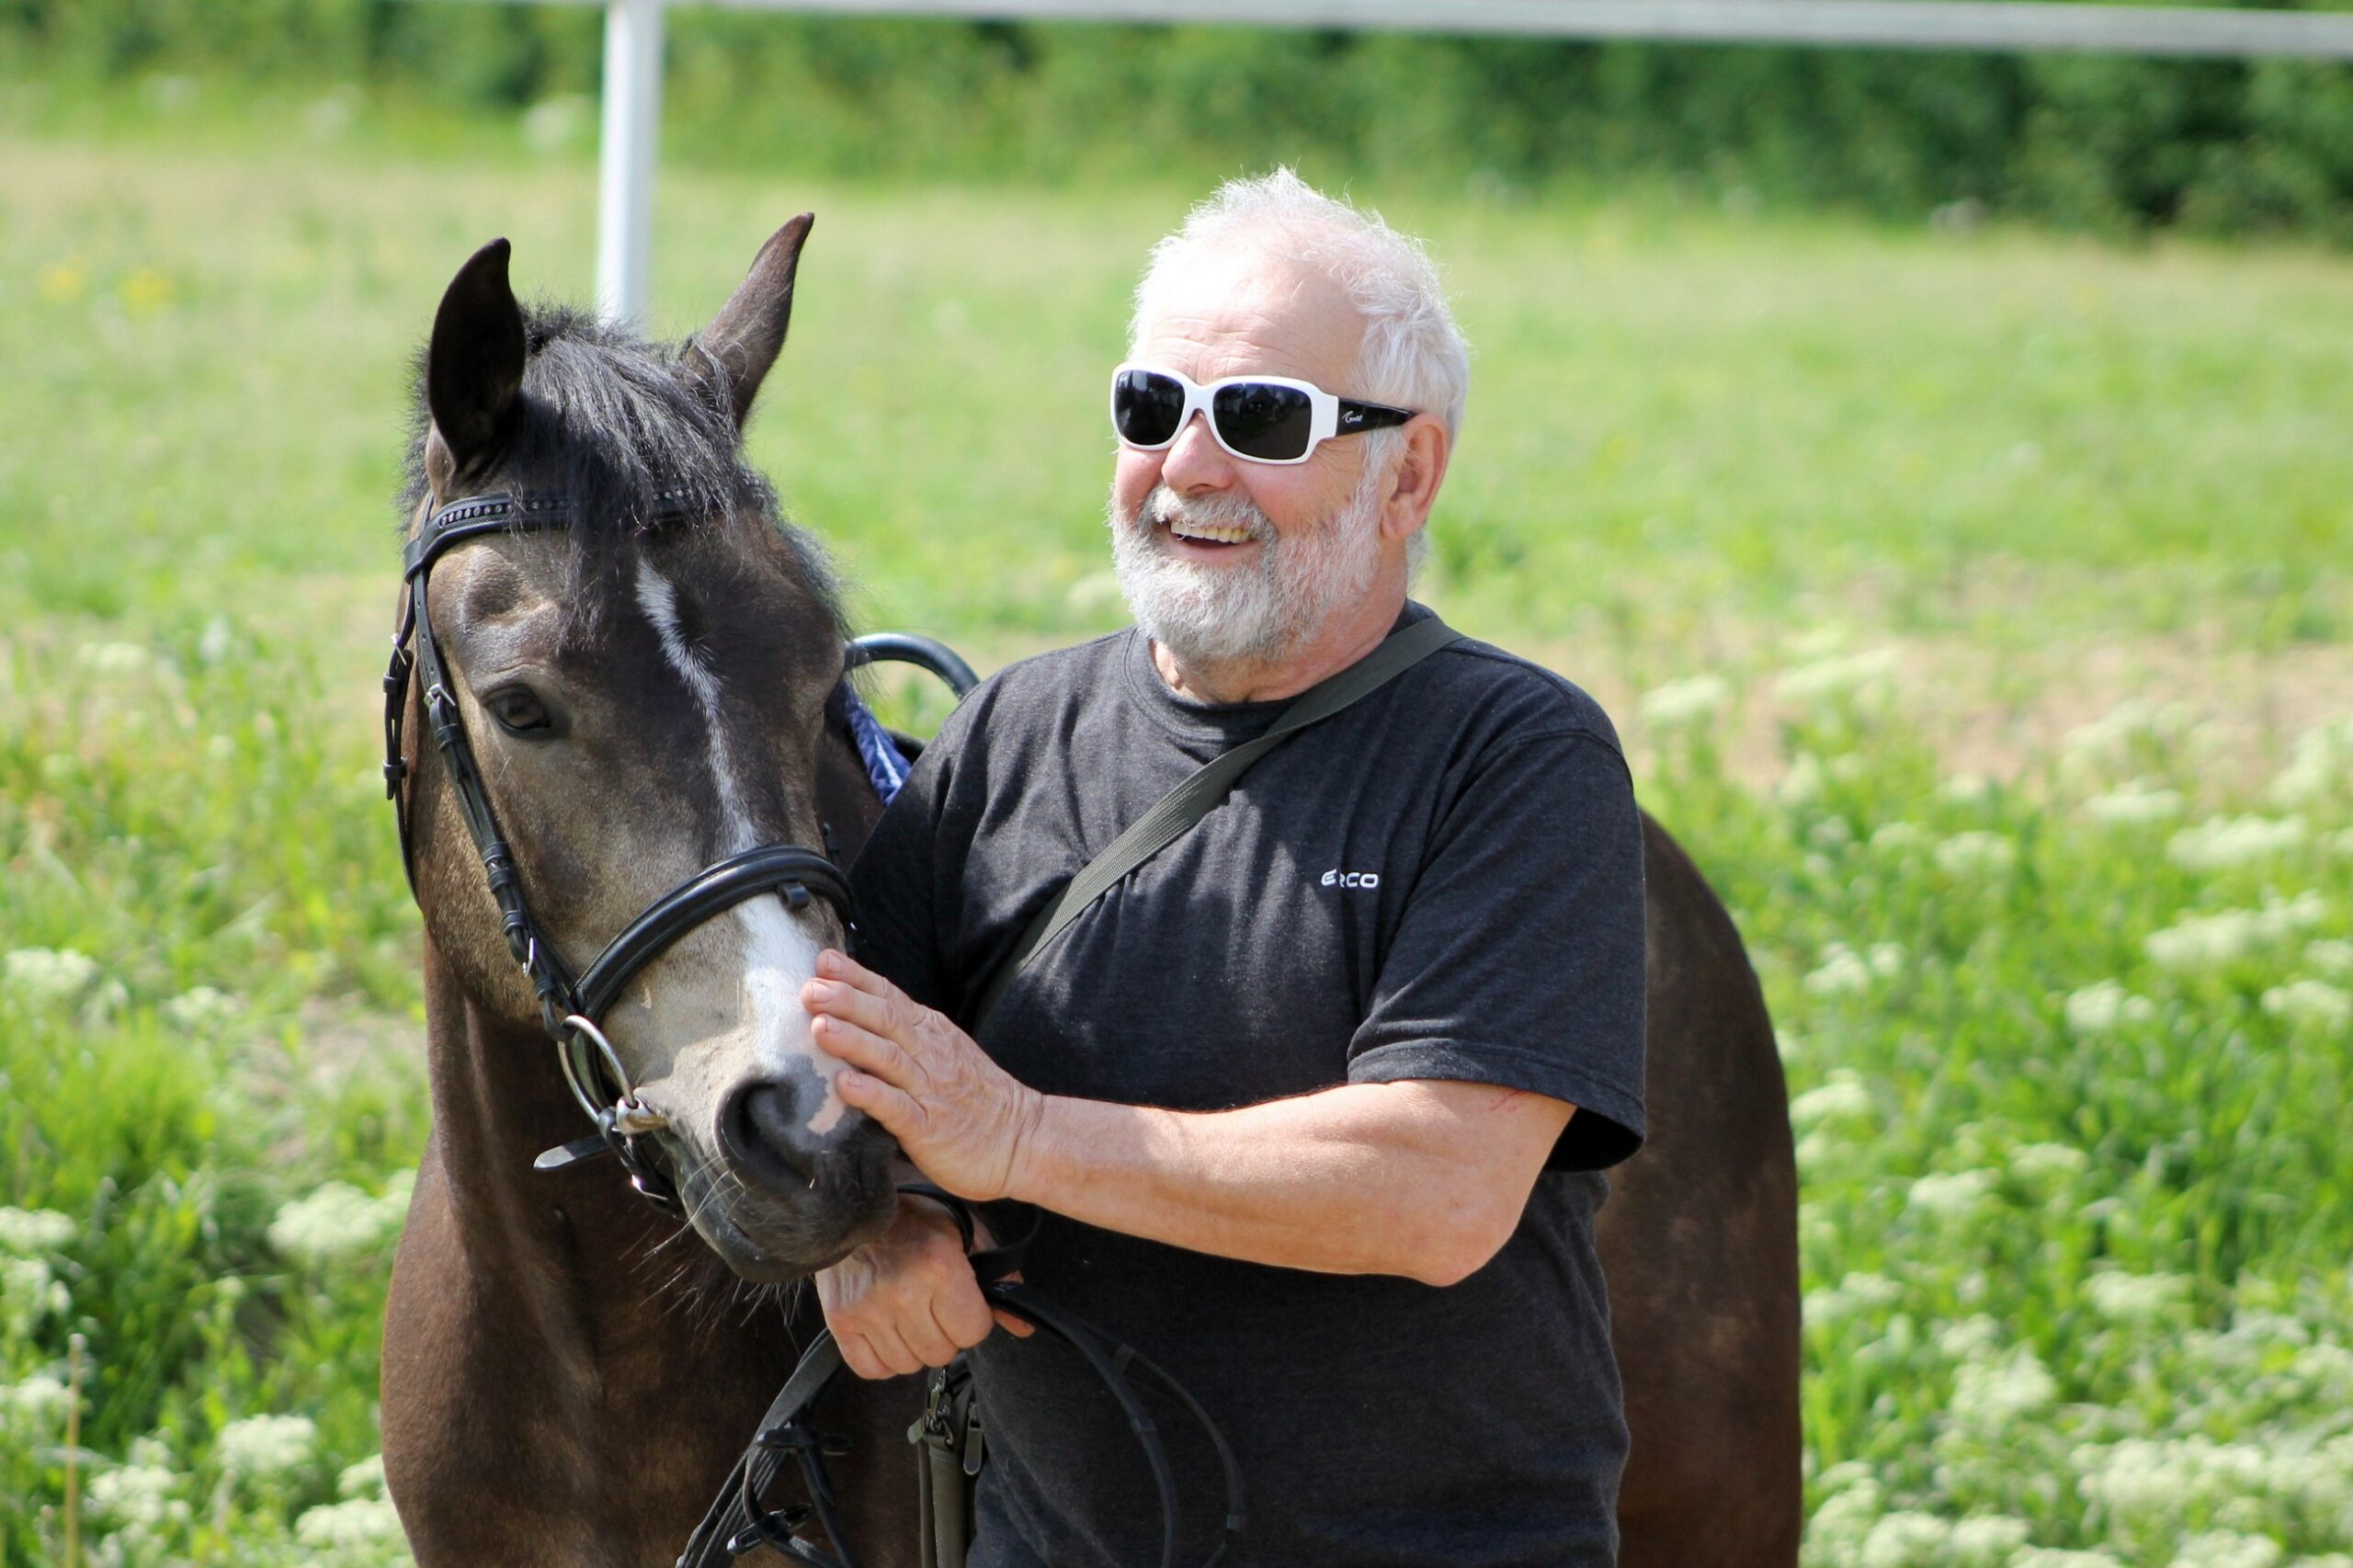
(739,1522)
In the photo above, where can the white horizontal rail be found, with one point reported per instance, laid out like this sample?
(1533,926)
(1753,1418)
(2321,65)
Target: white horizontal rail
(2001,24)
(1994,24)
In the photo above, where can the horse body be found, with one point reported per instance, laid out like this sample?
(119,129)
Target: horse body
(568,1373)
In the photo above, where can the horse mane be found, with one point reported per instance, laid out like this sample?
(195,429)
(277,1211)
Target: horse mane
(607,418)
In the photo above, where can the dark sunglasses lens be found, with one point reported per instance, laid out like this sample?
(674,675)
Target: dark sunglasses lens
(1262,421)
(1145,408)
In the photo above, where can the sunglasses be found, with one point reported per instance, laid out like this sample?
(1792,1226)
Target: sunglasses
(1265,419)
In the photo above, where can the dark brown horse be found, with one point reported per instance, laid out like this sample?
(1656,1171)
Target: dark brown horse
(568,1373)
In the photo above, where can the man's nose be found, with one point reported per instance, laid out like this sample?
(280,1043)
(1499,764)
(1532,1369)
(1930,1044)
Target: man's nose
(1195,463)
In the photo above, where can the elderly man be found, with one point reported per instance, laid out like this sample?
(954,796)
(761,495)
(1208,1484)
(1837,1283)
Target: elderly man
(1314,1100)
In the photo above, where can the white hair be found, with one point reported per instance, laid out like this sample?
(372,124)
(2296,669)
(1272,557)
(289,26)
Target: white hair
(1412,355)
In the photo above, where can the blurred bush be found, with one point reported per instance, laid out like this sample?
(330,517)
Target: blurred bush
(2089,141)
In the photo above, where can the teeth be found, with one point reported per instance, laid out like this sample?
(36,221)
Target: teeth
(1209,531)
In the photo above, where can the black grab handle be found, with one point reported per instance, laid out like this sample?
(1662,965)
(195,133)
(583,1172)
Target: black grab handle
(910,648)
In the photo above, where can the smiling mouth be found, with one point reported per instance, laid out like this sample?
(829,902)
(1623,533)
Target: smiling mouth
(1205,533)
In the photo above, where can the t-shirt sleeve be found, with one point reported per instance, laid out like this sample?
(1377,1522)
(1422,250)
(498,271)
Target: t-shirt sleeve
(1518,955)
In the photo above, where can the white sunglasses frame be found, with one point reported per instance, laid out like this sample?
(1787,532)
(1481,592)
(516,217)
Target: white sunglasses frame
(1326,411)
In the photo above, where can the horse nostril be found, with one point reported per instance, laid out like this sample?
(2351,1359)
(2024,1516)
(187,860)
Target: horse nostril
(759,1129)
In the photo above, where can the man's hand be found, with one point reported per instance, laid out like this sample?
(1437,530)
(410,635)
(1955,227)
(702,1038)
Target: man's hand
(959,1116)
(909,1300)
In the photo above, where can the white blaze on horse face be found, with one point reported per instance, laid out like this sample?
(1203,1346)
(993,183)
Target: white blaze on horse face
(779,955)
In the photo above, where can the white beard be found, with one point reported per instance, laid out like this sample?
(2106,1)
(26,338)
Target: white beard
(1211,617)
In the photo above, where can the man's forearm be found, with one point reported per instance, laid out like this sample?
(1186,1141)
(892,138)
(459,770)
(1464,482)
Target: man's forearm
(1362,1179)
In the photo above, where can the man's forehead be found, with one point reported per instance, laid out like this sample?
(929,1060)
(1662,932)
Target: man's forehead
(1246,312)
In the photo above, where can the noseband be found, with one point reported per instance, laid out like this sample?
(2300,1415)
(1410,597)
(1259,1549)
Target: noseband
(571,1010)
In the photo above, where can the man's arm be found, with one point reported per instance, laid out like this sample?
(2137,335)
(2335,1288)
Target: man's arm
(1421,1178)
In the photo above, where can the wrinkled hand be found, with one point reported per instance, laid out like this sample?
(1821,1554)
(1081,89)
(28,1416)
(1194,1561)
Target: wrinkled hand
(959,1116)
(909,1300)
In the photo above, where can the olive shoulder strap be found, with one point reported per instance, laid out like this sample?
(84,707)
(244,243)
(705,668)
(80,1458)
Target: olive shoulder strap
(1174,813)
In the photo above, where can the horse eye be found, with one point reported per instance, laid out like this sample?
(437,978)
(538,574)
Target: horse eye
(518,712)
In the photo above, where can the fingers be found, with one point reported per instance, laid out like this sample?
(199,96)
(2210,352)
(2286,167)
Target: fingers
(882,1013)
(862,1046)
(893,1108)
(834,964)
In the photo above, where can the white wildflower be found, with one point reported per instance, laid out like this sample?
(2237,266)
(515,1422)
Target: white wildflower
(1950,1194)
(1863,677)
(1986,1396)
(364,1478)
(142,1496)
(1843,1098)
(2038,1163)
(1969,1337)
(2330,955)
(48,975)
(2135,1298)
(2053,1557)
(1905,1540)
(38,1401)
(1964,788)
(1803,782)
(1894,837)
(1855,1294)
(1987,1541)
(261,1446)
(2219,843)
(337,1222)
(1844,1522)
(2322,761)
(1885,959)
(1976,854)
(2309,1002)
(1842,971)
(114,658)
(355,1525)
(26,1233)
(218,640)
(1682,704)
(30,1292)
(201,1010)
(2098,1009)
(2137,804)
(2128,725)
(2212,941)
(2226,1549)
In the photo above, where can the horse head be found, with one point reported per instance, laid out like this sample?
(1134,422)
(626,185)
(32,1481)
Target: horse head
(647,692)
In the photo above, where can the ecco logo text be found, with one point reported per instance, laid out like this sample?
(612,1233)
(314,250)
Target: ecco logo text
(1352,879)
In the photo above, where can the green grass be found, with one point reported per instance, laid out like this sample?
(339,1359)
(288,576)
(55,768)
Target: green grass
(1927,507)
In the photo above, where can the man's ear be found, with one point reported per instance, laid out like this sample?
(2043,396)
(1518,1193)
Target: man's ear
(1421,469)
(743,340)
(473,369)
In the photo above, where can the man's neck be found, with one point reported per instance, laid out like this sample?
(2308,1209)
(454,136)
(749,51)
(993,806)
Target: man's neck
(1344,639)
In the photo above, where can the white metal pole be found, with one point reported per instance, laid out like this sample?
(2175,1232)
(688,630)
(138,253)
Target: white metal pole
(625,186)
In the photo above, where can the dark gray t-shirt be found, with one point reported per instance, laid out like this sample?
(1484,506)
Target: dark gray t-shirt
(1442,881)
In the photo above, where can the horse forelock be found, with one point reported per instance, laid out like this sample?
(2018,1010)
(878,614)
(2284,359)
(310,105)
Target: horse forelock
(609,420)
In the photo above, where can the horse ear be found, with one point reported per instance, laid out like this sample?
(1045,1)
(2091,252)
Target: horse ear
(744,339)
(474,371)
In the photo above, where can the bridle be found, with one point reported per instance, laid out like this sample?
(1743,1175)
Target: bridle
(571,1010)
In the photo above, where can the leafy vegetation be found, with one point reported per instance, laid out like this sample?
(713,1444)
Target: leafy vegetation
(1978,607)
(2099,142)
